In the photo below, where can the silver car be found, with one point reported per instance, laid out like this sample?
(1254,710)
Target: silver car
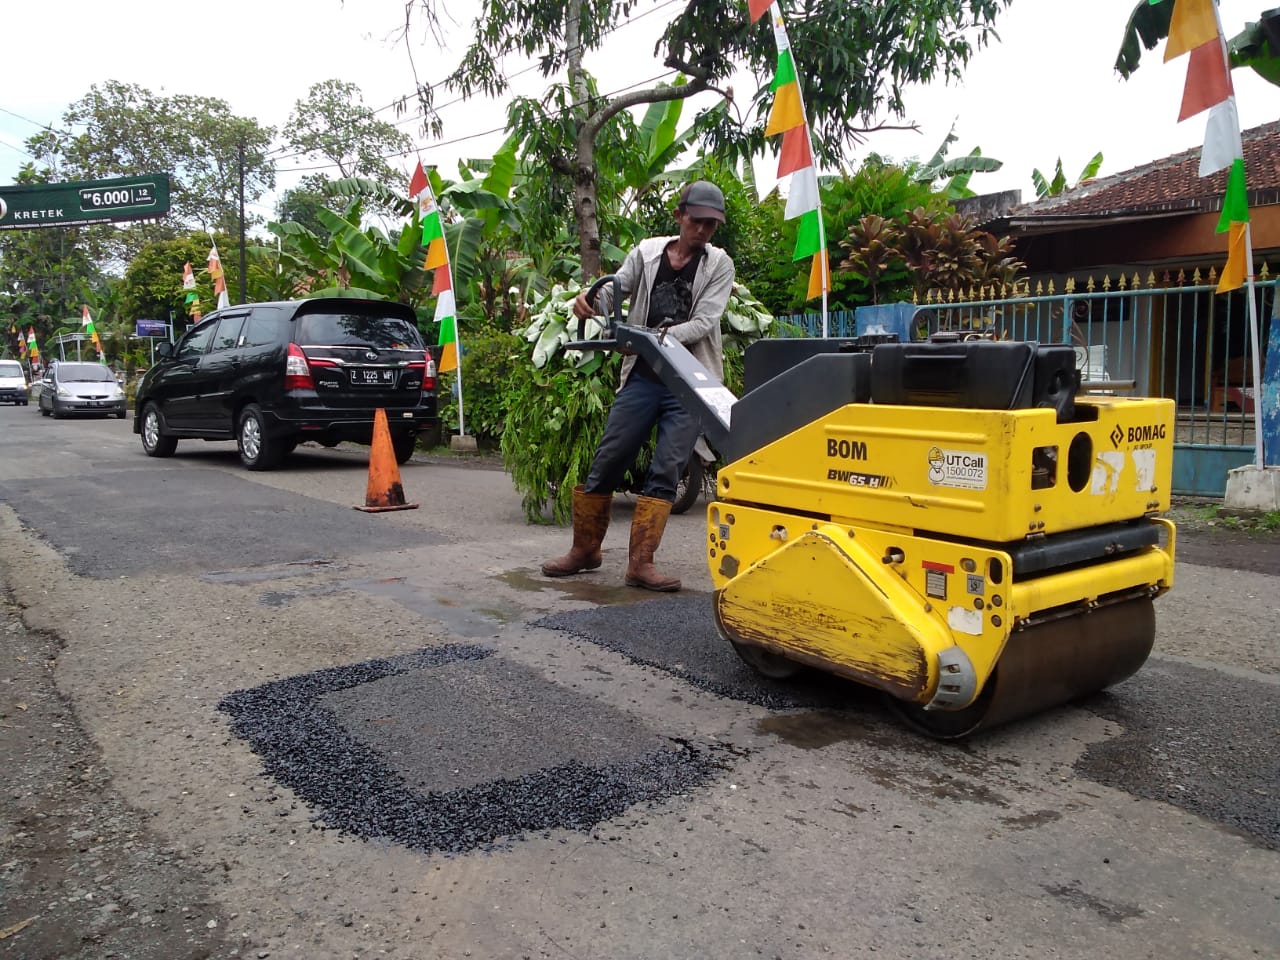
(72,388)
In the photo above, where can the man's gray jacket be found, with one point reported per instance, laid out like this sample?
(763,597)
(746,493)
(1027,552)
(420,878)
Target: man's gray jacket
(712,284)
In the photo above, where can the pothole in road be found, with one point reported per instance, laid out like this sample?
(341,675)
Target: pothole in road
(448,750)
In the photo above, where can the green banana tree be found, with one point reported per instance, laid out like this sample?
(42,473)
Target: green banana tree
(1051,188)
(957,170)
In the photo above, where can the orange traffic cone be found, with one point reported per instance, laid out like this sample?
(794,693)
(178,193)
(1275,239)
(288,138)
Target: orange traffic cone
(385,492)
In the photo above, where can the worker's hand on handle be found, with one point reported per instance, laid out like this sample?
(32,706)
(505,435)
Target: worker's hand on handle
(581,308)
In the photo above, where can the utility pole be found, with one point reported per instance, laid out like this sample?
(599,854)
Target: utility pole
(242,253)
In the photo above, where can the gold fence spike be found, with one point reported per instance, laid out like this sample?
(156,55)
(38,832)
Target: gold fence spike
(1071,285)
(1123,282)
(1264,273)
(1151,279)
(1213,275)
(1051,290)
(1106,283)
(1089,286)
(1195,277)
(1182,277)
(1039,288)
(1137,281)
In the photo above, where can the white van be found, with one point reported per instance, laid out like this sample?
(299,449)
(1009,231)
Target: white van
(13,383)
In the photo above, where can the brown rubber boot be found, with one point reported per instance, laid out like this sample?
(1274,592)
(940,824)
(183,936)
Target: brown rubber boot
(590,522)
(646,533)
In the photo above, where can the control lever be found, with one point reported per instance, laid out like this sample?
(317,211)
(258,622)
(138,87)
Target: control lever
(609,341)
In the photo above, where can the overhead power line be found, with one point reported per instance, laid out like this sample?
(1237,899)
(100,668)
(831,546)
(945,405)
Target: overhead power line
(418,115)
(485,133)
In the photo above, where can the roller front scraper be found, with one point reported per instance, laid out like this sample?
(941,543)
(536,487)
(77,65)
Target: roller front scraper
(952,522)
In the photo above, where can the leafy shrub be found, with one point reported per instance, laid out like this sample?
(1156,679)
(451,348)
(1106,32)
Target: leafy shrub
(559,401)
(491,363)
(555,422)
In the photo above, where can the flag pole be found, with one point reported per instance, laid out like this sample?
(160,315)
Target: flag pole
(457,341)
(1255,340)
(1255,344)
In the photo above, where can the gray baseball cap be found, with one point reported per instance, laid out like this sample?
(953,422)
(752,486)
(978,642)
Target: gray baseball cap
(702,199)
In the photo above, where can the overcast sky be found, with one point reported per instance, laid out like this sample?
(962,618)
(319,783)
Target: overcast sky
(1046,89)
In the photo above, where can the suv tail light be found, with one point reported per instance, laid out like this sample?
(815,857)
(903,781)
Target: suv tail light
(297,375)
(428,368)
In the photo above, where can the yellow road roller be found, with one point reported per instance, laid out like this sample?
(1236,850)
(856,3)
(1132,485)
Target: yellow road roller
(954,522)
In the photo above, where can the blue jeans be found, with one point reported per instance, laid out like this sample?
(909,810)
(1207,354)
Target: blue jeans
(637,407)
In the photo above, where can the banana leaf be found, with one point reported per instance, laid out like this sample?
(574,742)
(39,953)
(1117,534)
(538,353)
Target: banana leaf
(303,239)
(464,249)
(363,188)
(359,253)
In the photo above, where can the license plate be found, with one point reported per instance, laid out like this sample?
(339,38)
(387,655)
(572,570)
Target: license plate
(373,376)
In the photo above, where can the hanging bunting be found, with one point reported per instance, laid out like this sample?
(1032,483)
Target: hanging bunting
(219,279)
(86,321)
(1208,80)
(437,259)
(192,297)
(1192,24)
(1195,29)
(795,156)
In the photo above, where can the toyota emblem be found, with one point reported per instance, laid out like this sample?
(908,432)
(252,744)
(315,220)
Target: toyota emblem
(371,354)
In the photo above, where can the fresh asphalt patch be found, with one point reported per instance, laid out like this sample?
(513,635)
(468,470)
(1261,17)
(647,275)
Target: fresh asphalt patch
(678,636)
(176,520)
(446,750)
(1200,739)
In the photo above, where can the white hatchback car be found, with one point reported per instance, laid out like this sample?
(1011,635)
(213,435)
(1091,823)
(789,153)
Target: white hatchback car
(13,383)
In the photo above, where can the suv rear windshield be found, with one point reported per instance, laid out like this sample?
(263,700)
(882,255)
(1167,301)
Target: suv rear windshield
(357,330)
(84,373)
(8,368)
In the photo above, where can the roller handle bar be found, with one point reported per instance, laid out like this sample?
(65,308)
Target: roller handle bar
(610,340)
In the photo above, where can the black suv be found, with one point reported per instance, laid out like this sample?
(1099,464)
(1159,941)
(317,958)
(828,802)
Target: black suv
(270,375)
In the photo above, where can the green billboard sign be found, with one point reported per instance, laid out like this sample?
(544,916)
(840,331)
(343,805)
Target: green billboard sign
(84,202)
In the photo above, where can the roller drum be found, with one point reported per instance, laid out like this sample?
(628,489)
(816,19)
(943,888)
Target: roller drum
(1048,664)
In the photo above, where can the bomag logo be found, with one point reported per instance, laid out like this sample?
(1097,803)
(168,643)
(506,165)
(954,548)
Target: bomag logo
(1145,433)
(847,449)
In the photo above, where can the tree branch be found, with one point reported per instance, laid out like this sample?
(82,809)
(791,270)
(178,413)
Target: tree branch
(621,102)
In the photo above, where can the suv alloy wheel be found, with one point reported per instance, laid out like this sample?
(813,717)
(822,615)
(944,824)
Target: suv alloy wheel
(155,444)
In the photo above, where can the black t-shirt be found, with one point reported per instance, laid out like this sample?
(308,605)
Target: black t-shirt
(671,298)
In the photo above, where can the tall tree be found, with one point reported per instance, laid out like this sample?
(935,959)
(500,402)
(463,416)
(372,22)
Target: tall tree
(333,125)
(120,129)
(858,57)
